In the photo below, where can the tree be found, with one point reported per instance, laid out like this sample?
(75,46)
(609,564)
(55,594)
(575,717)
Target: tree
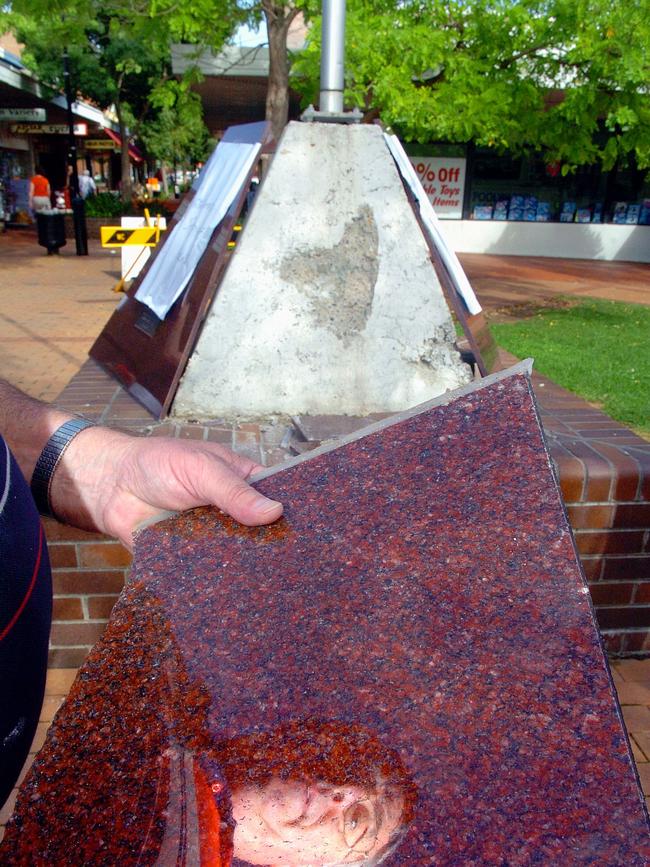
(568,77)
(119,56)
(175,134)
(278,16)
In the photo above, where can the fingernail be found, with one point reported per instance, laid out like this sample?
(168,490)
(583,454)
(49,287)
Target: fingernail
(264,505)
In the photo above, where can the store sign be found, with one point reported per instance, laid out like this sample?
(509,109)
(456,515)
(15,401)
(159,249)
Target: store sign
(100,144)
(48,128)
(443,179)
(33,114)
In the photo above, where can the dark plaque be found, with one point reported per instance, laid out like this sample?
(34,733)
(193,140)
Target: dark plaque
(404,669)
(148,355)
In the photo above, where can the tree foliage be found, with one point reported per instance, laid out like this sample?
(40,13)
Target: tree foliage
(174,132)
(119,58)
(569,77)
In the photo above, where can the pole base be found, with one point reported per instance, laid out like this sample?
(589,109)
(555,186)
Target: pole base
(310,115)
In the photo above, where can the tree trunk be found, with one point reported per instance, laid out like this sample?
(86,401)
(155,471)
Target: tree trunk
(125,160)
(278,21)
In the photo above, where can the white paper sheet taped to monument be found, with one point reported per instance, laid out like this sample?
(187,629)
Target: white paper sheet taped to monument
(172,269)
(432,226)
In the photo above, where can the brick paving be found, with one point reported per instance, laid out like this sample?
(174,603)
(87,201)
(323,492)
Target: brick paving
(53,307)
(506,283)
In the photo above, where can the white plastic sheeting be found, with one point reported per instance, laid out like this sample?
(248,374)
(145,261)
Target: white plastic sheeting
(220,182)
(432,226)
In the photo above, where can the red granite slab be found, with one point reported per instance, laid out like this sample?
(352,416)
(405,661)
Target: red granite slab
(411,646)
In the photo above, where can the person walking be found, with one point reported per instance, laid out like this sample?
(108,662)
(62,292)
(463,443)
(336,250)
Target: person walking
(40,193)
(87,186)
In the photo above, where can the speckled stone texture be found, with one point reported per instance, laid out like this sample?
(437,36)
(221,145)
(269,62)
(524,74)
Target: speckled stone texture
(423,587)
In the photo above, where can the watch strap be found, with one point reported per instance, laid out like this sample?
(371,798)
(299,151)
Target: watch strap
(49,459)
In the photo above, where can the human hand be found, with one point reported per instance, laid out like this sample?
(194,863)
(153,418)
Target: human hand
(112,482)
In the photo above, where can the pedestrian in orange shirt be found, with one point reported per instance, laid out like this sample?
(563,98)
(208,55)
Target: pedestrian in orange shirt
(39,193)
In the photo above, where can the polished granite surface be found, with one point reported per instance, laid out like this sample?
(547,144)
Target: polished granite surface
(406,665)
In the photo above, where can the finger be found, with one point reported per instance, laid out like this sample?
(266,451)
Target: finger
(246,505)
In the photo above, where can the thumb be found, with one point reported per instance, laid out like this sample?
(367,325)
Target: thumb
(246,505)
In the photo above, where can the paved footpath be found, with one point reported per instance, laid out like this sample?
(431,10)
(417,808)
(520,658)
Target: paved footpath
(51,310)
(53,307)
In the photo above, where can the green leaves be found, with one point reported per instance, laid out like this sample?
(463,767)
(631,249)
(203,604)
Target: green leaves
(567,77)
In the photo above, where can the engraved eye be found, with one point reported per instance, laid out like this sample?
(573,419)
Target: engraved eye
(358,824)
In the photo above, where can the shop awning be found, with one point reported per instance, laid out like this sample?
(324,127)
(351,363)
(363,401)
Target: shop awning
(134,153)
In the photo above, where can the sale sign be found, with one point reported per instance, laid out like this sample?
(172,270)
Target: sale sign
(443,179)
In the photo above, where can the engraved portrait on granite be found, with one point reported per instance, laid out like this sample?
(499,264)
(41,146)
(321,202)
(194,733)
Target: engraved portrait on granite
(403,670)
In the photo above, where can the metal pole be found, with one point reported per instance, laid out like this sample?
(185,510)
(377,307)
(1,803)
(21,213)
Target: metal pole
(332,75)
(78,207)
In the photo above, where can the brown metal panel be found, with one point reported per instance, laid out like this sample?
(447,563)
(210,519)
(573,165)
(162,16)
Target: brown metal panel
(148,355)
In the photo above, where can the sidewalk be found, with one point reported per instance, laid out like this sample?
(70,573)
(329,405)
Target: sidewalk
(53,307)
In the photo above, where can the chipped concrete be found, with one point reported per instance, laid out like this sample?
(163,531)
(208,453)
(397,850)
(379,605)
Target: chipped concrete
(330,303)
(339,281)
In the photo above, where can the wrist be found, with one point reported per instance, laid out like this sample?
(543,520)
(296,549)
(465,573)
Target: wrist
(81,490)
(48,462)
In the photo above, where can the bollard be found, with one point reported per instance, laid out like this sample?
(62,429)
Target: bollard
(79,221)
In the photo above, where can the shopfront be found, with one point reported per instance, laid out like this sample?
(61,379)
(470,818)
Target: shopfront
(34,134)
(525,206)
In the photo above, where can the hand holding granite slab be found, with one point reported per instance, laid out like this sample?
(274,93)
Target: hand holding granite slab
(403,670)
(117,483)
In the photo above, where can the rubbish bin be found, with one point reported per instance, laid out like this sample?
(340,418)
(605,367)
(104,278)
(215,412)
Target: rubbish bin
(51,230)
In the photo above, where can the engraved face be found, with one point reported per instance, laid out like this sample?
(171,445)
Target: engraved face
(300,824)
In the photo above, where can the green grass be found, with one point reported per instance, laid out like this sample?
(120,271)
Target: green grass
(597,349)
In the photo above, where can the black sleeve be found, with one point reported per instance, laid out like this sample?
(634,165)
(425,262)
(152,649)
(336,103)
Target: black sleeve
(25,616)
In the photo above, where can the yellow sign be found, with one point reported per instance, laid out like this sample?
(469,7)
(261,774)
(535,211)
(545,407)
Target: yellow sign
(100,144)
(116,236)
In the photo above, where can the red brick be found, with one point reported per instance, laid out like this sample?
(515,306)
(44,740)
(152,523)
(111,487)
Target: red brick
(592,567)
(612,593)
(642,596)
(103,555)
(59,680)
(67,608)
(219,435)
(612,641)
(191,432)
(626,568)
(62,555)
(274,456)
(637,718)
(100,607)
(67,657)
(632,515)
(612,542)
(76,581)
(590,517)
(604,423)
(626,472)
(248,445)
(66,634)
(571,473)
(56,532)
(643,457)
(637,641)
(599,472)
(623,617)
(163,430)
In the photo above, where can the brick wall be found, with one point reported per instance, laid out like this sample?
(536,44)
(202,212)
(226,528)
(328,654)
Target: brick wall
(604,472)
(603,468)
